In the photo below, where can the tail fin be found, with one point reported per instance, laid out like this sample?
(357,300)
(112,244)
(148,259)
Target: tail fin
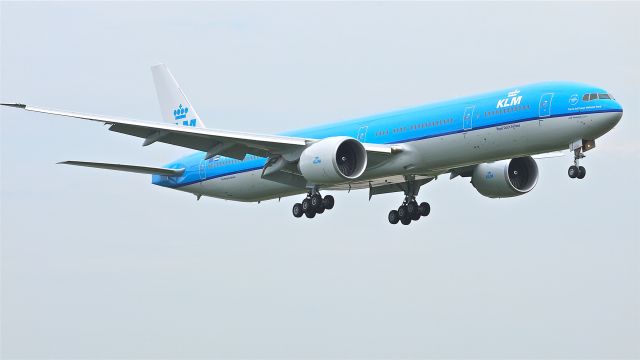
(174,105)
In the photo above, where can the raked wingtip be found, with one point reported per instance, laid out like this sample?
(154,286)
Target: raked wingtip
(15,105)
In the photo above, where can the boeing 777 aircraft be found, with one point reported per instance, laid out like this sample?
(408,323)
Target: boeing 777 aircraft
(490,138)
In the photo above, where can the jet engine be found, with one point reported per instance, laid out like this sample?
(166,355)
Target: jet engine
(505,178)
(333,160)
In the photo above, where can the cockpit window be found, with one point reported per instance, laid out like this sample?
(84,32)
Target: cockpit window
(589,97)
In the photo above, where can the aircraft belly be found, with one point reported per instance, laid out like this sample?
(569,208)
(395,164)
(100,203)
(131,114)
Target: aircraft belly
(247,186)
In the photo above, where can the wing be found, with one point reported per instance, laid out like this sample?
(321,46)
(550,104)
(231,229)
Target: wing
(232,144)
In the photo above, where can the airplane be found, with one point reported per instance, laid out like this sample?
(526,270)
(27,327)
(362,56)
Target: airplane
(490,138)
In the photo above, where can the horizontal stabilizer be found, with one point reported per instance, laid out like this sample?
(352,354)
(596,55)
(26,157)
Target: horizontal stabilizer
(128,168)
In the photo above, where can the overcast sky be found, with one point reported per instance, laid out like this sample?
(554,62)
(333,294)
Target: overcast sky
(99,264)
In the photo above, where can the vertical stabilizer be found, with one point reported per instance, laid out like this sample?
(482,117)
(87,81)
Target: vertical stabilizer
(174,105)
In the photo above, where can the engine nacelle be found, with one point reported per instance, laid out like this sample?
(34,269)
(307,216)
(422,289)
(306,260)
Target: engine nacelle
(505,178)
(333,160)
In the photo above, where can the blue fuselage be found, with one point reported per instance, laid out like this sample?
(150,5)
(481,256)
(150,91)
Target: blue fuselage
(502,109)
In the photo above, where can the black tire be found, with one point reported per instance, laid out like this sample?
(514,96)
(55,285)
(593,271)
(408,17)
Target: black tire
(573,171)
(403,213)
(412,208)
(310,214)
(306,205)
(320,209)
(297,210)
(394,217)
(316,201)
(582,172)
(328,202)
(416,216)
(405,221)
(425,208)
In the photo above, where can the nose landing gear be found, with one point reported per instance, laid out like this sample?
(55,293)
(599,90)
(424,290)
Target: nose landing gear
(313,204)
(575,170)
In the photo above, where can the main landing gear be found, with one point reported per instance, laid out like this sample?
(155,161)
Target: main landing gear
(575,170)
(313,204)
(409,211)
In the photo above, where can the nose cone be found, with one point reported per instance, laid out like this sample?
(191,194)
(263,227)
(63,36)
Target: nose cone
(616,106)
(617,113)
(609,119)
(611,106)
(615,117)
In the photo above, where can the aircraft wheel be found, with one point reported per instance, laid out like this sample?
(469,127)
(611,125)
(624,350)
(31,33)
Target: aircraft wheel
(582,172)
(573,171)
(328,202)
(297,210)
(316,201)
(320,209)
(394,217)
(412,208)
(403,213)
(306,205)
(405,221)
(424,208)
(310,214)
(416,216)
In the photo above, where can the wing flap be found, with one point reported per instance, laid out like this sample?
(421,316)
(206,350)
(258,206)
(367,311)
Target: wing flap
(128,168)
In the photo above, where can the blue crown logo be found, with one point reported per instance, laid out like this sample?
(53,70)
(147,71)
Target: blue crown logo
(180,112)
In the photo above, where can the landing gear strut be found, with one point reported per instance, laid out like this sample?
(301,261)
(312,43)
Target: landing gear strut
(313,204)
(575,170)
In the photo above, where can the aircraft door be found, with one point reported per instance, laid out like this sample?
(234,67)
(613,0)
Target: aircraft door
(362,133)
(203,169)
(545,106)
(467,118)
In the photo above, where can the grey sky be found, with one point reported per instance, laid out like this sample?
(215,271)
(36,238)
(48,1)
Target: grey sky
(99,264)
